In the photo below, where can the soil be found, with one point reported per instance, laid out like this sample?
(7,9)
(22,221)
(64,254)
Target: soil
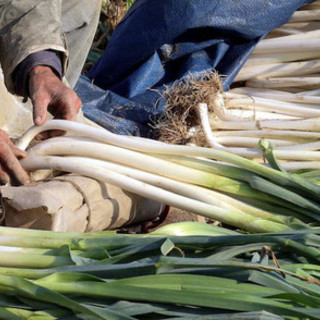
(178,215)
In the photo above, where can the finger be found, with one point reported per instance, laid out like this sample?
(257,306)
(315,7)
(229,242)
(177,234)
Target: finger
(4,177)
(75,109)
(40,104)
(72,107)
(4,138)
(67,107)
(12,164)
(20,154)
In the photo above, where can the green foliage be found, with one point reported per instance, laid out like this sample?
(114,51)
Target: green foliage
(225,276)
(129,4)
(105,4)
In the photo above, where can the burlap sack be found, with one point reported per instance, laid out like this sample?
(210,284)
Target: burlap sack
(74,203)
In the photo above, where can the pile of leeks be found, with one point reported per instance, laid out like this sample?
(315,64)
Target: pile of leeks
(276,96)
(213,273)
(188,271)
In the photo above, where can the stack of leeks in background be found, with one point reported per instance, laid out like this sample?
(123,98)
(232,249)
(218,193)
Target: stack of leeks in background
(276,96)
(219,274)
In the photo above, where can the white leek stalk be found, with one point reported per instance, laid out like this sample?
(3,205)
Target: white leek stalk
(306,15)
(261,59)
(272,94)
(236,217)
(281,107)
(284,82)
(297,136)
(279,70)
(293,45)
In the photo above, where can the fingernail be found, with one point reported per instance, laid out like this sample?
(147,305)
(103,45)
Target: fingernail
(37,120)
(25,179)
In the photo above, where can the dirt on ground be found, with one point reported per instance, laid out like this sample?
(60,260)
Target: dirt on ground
(178,215)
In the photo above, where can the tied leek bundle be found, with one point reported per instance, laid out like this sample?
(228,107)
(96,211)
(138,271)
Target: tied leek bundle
(238,192)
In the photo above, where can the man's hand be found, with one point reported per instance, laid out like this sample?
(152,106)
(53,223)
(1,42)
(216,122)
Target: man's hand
(11,170)
(48,93)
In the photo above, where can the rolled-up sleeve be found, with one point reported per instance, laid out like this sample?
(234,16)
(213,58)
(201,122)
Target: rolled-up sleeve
(41,58)
(27,27)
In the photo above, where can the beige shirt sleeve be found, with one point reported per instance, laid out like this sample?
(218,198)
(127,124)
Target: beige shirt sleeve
(28,26)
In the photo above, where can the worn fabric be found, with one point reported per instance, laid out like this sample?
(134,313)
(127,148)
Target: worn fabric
(75,203)
(21,73)
(77,22)
(30,26)
(162,41)
(15,116)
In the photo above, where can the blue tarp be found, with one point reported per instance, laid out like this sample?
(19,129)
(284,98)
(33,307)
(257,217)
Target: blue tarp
(161,41)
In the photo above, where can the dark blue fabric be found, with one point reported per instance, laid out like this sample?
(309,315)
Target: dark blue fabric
(161,41)
(41,58)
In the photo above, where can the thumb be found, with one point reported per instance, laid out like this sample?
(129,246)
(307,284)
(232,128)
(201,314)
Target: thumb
(40,105)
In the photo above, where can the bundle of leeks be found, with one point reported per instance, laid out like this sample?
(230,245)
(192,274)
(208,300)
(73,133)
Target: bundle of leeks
(238,192)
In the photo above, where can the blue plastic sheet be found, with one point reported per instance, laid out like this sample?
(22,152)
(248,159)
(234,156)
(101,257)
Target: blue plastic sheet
(162,41)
